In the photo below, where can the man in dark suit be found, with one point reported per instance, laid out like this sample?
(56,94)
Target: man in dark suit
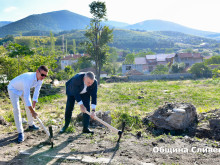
(80,88)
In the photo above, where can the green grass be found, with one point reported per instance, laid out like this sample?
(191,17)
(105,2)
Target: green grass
(131,101)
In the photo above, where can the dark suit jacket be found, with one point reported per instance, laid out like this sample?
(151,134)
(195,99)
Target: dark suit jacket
(76,84)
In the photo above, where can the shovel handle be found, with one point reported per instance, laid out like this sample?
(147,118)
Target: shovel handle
(104,123)
(42,125)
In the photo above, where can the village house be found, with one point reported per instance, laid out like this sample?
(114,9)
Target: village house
(70,60)
(148,63)
(188,58)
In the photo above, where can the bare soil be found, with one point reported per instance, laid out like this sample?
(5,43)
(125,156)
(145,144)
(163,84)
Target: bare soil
(198,145)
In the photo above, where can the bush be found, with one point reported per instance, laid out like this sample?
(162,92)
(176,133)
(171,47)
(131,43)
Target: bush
(201,70)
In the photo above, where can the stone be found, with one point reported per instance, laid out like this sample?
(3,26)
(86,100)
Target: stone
(105,116)
(177,116)
(2,121)
(214,124)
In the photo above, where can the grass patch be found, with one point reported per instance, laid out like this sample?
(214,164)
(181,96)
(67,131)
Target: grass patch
(50,98)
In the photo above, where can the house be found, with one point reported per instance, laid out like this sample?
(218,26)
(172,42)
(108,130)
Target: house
(103,73)
(148,63)
(188,58)
(70,60)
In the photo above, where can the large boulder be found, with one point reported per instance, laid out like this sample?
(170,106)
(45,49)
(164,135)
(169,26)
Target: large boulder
(177,116)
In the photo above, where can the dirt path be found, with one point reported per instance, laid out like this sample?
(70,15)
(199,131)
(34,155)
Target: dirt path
(102,148)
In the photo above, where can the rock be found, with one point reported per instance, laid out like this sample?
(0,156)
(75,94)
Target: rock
(140,97)
(105,116)
(214,124)
(178,116)
(2,121)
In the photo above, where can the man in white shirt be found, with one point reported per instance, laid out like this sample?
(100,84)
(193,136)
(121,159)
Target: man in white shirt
(20,87)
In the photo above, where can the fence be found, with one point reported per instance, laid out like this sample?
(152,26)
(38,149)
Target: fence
(161,77)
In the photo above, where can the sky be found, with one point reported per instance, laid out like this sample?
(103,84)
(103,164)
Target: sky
(197,14)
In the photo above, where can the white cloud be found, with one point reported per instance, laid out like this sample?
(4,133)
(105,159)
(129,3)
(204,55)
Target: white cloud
(10,9)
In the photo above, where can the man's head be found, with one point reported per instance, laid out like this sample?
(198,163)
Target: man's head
(89,78)
(42,72)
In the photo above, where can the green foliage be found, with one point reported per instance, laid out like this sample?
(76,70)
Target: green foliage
(129,59)
(132,122)
(98,36)
(200,70)
(49,98)
(9,116)
(216,72)
(178,67)
(83,62)
(98,10)
(7,39)
(160,69)
(24,41)
(18,50)
(213,60)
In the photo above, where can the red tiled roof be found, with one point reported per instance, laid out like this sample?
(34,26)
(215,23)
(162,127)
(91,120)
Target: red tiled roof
(191,55)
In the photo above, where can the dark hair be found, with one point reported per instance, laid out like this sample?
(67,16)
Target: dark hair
(44,68)
(90,75)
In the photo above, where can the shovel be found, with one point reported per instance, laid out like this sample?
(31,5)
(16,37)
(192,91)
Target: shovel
(49,134)
(119,132)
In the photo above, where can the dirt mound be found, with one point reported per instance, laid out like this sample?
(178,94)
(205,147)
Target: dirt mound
(174,116)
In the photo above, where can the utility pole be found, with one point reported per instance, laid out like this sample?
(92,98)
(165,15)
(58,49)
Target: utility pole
(66,47)
(63,43)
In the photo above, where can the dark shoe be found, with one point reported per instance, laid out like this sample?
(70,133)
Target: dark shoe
(87,130)
(33,128)
(63,130)
(20,137)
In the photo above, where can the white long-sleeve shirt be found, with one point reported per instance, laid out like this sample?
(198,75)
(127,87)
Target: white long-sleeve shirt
(22,85)
(82,92)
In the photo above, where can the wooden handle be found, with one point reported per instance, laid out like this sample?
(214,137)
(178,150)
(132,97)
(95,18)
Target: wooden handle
(104,123)
(45,130)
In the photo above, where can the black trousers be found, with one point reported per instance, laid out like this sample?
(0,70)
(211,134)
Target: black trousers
(70,106)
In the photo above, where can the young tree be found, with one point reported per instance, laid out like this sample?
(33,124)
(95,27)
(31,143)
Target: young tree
(160,69)
(98,36)
(129,59)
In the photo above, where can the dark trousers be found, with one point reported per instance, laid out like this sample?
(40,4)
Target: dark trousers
(70,106)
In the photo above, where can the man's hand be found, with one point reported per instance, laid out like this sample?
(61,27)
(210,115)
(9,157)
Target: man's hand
(92,115)
(82,108)
(34,114)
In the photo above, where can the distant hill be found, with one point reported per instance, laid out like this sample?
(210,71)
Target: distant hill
(160,25)
(134,40)
(53,21)
(116,24)
(64,20)
(3,23)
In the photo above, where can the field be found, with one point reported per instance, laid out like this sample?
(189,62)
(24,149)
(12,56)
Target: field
(129,102)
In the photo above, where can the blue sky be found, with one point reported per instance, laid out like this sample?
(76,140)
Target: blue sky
(198,14)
